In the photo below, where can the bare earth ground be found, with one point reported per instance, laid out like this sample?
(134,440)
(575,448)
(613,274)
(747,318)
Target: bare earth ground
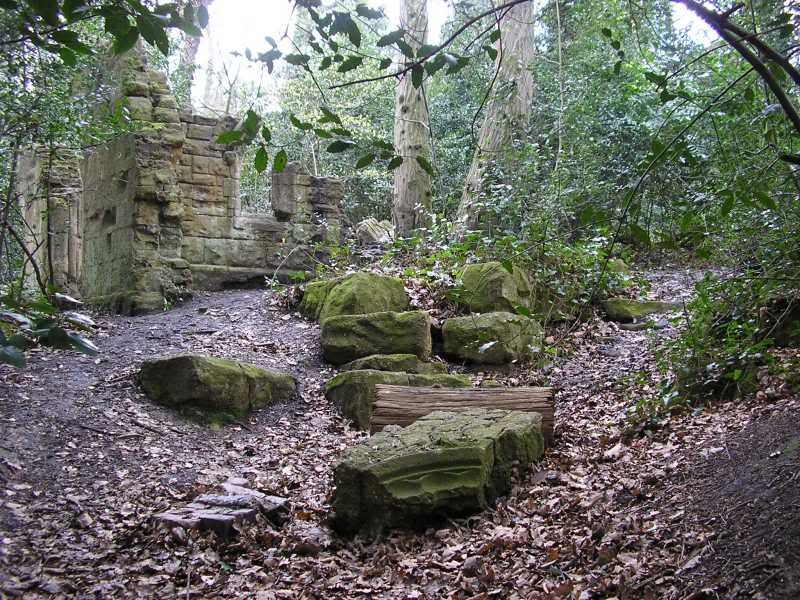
(707,508)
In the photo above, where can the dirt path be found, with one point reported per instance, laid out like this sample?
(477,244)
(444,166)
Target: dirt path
(85,461)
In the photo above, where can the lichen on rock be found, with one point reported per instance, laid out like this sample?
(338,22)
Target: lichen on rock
(444,464)
(345,338)
(490,287)
(626,310)
(490,338)
(215,388)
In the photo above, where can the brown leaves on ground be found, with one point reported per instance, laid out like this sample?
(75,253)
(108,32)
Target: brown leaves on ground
(85,461)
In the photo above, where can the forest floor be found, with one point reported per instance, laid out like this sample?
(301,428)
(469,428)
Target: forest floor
(706,507)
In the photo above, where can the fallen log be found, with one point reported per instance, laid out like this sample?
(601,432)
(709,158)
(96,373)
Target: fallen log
(402,405)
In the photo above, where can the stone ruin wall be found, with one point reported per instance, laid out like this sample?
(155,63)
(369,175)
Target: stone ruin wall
(152,215)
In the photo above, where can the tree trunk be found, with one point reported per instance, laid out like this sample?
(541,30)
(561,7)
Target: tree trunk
(411,203)
(187,57)
(402,405)
(507,112)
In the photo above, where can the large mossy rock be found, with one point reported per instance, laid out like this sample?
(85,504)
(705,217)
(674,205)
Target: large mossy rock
(353,392)
(355,294)
(212,387)
(490,338)
(626,310)
(406,363)
(348,337)
(314,296)
(490,287)
(444,464)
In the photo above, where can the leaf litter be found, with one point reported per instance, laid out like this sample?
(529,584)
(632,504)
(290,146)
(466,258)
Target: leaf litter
(86,461)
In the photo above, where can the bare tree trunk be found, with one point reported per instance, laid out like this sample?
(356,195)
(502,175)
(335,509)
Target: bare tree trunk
(507,111)
(411,203)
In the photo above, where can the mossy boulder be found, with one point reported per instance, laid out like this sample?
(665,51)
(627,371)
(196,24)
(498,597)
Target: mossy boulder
(444,464)
(491,338)
(216,388)
(490,287)
(407,363)
(314,296)
(626,310)
(353,392)
(362,293)
(348,337)
(354,294)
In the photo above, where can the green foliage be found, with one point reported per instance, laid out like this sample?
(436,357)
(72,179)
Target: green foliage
(25,322)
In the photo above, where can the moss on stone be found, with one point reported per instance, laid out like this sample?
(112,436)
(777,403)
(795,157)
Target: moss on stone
(214,387)
(490,338)
(490,287)
(363,293)
(353,392)
(314,296)
(444,464)
(626,310)
(407,363)
(348,337)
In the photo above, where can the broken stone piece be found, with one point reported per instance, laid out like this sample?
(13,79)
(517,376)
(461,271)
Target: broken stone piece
(444,464)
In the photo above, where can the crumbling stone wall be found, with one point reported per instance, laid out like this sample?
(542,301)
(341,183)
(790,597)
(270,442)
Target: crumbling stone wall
(156,213)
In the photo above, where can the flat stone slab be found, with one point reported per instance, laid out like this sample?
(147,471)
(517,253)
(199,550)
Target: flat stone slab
(627,310)
(211,386)
(444,464)
(219,512)
(349,337)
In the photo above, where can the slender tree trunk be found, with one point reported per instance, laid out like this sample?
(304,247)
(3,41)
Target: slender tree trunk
(411,203)
(507,112)
(188,56)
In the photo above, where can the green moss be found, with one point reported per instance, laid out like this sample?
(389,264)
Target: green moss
(444,464)
(407,363)
(314,296)
(348,337)
(214,387)
(626,310)
(490,287)
(353,392)
(490,338)
(363,293)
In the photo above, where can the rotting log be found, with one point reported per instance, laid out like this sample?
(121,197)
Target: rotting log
(402,405)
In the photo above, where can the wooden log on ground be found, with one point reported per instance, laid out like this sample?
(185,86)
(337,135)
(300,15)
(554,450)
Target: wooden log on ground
(402,405)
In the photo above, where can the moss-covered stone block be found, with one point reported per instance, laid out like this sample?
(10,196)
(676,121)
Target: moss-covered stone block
(626,310)
(212,387)
(314,296)
(406,363)
(490,287)
(353,392)
(348,337)
(444,464)
(491,338)
(363,293)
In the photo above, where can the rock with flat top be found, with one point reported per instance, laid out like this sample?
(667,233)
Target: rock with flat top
(212,387)
(627,310)
(446,464)
(405,363)
(219,512)
(348,337)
